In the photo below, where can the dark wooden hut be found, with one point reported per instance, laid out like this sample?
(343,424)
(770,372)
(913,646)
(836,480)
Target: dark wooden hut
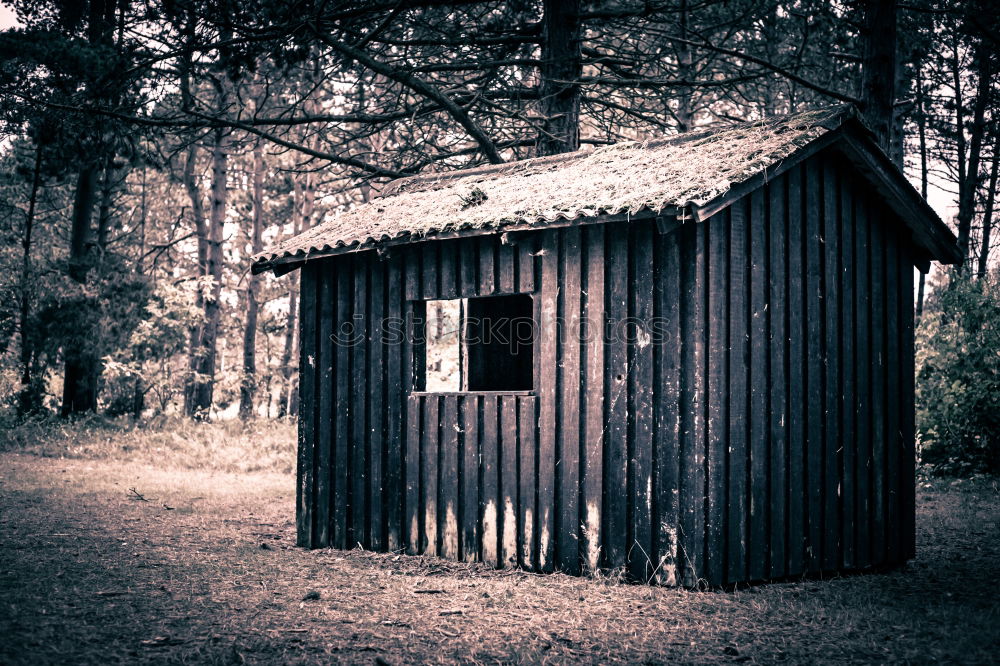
(719,382)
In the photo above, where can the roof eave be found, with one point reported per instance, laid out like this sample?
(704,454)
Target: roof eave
(289,262)
(929,231)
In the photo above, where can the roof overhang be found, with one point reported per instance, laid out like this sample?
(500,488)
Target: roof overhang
(288,263)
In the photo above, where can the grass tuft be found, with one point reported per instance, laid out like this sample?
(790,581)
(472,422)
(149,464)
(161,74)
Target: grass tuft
(225,446)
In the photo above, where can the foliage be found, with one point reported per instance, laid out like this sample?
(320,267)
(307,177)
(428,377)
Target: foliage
(958,377)
(164,105)
(141,365)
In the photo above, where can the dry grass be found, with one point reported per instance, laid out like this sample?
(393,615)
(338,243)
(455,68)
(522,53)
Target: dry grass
(203,570)
(227,446)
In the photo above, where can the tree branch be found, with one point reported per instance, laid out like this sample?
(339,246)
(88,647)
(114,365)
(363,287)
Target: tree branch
(418,86)
(777,69)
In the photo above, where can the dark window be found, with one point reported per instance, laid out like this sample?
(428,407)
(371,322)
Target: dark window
(479,344)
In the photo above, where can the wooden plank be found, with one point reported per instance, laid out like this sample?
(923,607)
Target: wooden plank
(413,262)
(448,477)
(430,465)
(593,397)
(412,510)
(342,403)
(906,384)
(469,486)
(737,520)
(526,263)
(718,395)
(431,283)
(487,275)
(506,270)
(759,382)
(832,443)
(778,372)
(616,284)
(815,365)
(417,343)
(848,284)
(668,404)
(692,487)
(394,403)
(359,396)
(797,502)
(489,494)
(878,490)
(323,390)
(641,407)
(376,404)
(568,463)
(863,362)
(305,466)
(547,391)
(527,420)
(448,269)
(508,480)
(468,268)
(893,441)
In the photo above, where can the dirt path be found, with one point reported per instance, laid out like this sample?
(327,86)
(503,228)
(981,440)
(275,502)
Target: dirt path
(91,573)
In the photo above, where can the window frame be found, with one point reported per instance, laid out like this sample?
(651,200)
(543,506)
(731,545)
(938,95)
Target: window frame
(418,311)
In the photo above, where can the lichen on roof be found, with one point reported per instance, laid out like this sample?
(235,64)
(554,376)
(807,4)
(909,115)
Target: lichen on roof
(631,177)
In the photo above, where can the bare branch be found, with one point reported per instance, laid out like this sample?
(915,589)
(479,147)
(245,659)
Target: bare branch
(421,87)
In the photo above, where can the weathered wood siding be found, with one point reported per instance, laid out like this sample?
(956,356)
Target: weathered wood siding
(726,402)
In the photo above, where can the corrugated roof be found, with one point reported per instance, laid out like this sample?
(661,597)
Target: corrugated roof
(688,169)
(695,169)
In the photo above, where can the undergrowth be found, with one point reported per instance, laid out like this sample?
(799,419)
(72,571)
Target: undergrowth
(224,446)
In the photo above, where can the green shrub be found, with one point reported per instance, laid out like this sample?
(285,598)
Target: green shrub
(958,377)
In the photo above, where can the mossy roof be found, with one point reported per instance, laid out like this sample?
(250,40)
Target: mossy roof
(687,170)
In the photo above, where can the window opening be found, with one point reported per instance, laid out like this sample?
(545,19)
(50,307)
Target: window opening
(478,344)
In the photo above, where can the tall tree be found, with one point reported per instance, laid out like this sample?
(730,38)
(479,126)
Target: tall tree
(561,68)
(248,385)
(991,194)
(207,349)
(970,175)
(879,69)
(82,367)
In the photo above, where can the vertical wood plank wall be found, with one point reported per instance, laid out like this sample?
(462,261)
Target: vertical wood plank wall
(728,402)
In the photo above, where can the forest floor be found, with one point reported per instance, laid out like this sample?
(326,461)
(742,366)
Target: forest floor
(172,558)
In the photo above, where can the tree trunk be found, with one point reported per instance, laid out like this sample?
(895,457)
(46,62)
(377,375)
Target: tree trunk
(922,142)
(204,385)
(82,365)
(969,186)
(991,193)
(302,208)
(138,397)
(248,387)
(878,69)
(80,377)
(685,61)
(109,184)
(560,74)
(201,235)
(29,399)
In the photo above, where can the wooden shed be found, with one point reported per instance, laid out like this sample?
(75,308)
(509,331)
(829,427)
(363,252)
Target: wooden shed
(718,382)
